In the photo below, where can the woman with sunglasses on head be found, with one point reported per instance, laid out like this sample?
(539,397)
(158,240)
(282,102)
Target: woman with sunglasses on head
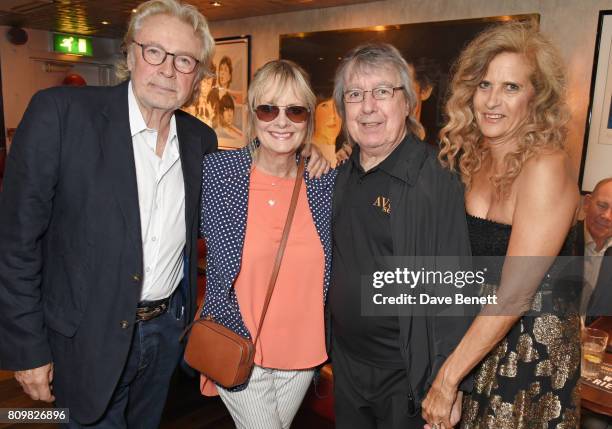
(246,196)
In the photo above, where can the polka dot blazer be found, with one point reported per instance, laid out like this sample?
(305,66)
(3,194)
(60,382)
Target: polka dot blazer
(225,192)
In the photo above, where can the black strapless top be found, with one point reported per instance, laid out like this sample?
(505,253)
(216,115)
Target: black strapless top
(490,238)
(489,241)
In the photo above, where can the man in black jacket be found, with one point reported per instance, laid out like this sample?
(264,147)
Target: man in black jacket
(394,207)
(98,228)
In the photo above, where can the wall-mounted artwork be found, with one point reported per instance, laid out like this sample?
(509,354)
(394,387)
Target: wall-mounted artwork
(222,100)
(430,48)
(597,149)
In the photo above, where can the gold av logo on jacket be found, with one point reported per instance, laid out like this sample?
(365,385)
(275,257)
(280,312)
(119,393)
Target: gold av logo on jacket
(383,203)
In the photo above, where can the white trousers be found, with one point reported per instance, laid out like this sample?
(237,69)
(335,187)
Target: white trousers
(271,399)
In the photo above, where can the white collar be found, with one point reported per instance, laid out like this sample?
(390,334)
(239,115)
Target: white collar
(137,122)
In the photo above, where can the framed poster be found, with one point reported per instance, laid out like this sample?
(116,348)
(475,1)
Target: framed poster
(222,100)
(430,48)
(596,161)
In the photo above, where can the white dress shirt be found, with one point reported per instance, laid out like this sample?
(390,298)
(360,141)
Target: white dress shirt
(592,264)
(161,199)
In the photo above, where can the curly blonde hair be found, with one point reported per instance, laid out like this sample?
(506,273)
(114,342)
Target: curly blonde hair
(462,145)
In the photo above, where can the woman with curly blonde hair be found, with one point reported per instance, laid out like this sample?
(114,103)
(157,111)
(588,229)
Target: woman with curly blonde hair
(505,136)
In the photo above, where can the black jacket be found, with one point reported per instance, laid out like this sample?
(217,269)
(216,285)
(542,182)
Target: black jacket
(70,239)
(600,302)
(427,222)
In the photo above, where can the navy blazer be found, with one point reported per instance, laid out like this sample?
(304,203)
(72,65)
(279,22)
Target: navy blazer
(70,239)
(225,193)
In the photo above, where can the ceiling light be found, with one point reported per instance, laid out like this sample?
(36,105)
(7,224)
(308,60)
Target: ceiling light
(105,22)
(215,3)
(134,10)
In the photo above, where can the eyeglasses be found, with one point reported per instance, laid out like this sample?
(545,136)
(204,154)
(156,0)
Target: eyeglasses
(155,56)
(380,93)
(268,113)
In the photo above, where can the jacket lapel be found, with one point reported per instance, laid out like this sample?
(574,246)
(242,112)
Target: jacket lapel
(191,164)
(236,200)
(116,142)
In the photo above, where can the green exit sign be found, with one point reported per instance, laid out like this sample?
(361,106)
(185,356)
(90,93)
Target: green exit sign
(72,44)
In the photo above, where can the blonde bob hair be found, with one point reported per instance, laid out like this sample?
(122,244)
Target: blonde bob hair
(462,145)
(185,13)
(273,79)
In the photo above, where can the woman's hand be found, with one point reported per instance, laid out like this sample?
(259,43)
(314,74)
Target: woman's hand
(456,411)
(442,406)
(344,153)
(318,165)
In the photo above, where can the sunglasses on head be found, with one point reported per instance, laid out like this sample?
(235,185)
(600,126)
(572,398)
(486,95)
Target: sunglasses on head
(268,112)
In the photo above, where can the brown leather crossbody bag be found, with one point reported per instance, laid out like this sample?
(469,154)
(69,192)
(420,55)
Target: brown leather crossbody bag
(218,352)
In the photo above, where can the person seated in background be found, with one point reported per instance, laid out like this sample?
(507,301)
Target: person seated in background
(245,200)
(595,242)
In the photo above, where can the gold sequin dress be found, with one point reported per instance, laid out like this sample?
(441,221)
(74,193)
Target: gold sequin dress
(529,380)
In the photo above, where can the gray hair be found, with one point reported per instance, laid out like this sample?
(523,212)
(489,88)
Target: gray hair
(185,13)
(376,56)
(284,75)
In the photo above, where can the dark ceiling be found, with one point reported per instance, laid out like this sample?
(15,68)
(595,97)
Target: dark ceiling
(108,18)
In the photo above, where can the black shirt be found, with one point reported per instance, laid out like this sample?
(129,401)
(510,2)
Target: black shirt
(361,240)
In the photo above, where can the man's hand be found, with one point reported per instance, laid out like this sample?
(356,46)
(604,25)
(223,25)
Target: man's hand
(317,165)
(36,383)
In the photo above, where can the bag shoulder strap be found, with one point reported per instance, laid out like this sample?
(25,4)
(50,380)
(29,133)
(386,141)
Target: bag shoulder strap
(282,245)
(277,261)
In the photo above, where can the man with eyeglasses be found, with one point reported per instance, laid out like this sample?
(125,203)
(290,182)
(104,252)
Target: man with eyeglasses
(98,228)
(394,207)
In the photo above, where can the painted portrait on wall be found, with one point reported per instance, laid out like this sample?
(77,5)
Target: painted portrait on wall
(430,49)
(221,103)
